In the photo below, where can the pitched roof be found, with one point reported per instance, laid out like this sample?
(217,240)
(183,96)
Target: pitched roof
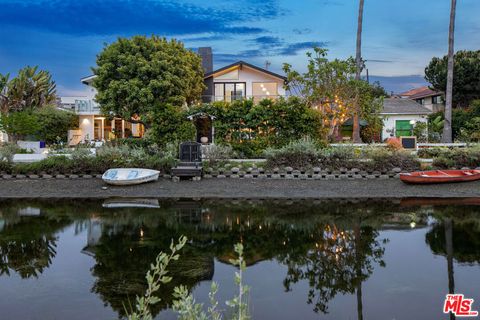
(88,79)
(403,106)
(419,93)
(243,63)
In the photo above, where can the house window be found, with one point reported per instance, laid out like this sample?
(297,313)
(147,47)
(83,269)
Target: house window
(229,91)
(421,101)
(264,90)
(437,99)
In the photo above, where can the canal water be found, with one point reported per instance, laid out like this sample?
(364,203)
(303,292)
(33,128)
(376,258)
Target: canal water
(305,260)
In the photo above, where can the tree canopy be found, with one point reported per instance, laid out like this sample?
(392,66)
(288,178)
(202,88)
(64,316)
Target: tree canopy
(138,76)
(466,82)
(330,87)
(30,89)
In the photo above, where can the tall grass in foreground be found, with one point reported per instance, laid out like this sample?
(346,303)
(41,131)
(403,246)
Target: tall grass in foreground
(184,303)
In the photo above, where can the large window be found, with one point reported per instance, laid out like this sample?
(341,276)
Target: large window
(229,91)
(264,90)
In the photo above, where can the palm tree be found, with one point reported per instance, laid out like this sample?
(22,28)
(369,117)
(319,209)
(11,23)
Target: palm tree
(356,123)
(447,126)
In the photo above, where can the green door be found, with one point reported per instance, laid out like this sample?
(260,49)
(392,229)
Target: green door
(403,128)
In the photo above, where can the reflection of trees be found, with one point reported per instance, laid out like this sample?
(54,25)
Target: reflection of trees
(319,242)
(123,257)
(339,262)
(465,229)
(28,246)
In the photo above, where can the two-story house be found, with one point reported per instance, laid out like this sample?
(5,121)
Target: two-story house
(236,81)
(430,99)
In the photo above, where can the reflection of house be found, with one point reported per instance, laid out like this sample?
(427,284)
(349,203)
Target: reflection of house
(94,233)
(430,99)
(239,80)
(93,126)
(3,137)
(400,115)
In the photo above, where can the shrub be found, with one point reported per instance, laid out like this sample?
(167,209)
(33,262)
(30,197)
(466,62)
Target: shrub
(460,157)
(217,153)
(339,157)
(432,152)
(297,154)
(54,124)
(82,161)
(384,160)
(443,163)
(394,144)
(19,125)
(249,149)
(7,151)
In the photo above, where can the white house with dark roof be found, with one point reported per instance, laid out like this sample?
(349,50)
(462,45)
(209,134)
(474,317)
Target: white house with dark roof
(236,81)
(400,115)
(239,80)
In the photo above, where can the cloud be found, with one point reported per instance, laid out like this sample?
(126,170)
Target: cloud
(378,61)
(293,48)
(114,17)
(268,42)
(302,31)
(267,47)
(399,83)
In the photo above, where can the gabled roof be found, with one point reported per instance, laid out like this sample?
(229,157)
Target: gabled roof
(87,80)
(419,93)
(243,63)
(403,106)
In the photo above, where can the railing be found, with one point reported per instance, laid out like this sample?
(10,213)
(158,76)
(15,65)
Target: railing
(231,98)
(86,106)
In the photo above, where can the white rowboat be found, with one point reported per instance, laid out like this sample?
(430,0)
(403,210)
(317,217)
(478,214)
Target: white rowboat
(131,203)
(129,176)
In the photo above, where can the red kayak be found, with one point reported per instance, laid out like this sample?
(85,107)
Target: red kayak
(440,176)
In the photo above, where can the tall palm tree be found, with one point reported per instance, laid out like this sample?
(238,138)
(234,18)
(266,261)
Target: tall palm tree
(358,59)
(447,125)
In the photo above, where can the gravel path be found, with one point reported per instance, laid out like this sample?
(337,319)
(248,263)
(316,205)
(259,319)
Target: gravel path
(235,188)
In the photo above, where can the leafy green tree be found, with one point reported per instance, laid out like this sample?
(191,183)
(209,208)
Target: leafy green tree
(30,89)
(139,77)
(19,125)
(54,124)
(330,87)
(466,86)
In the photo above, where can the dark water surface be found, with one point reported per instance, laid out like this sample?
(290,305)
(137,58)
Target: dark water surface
(306,260)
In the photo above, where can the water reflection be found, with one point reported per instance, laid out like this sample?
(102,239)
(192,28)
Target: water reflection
(333,246)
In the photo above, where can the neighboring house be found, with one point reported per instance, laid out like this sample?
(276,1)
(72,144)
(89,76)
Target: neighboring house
(92,125)
(430,99)
(400,115)
(239,80)
(68,103)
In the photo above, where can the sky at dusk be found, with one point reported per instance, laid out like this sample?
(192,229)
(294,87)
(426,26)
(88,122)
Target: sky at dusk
(399,39)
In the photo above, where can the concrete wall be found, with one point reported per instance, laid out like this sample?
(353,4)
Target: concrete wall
(389,122)
(249,76)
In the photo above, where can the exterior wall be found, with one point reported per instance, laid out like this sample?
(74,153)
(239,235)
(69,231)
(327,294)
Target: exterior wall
(249,76)
(427,102)
(86,124)
(389,122)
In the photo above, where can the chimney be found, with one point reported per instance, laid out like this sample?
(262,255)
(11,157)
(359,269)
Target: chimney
(207,58)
